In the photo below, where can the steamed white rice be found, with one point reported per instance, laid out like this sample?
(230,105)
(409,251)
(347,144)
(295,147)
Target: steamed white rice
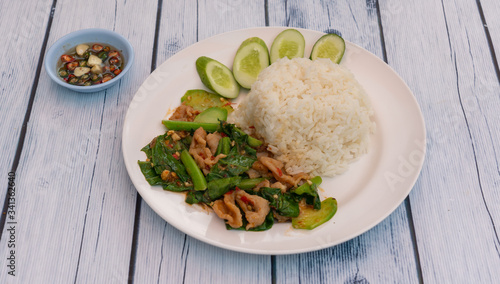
(314,115)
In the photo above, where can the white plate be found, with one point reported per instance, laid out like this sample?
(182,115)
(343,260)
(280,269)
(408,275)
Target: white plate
(373,187)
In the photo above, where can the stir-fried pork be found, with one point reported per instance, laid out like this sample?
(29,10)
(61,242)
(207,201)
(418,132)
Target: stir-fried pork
(255,208)
(227,209)
(276,166)
(253,173)
(184,113)
(264,183)
(213,141)
(201,154)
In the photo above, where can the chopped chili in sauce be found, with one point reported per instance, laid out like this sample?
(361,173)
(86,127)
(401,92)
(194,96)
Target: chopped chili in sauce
(90,64)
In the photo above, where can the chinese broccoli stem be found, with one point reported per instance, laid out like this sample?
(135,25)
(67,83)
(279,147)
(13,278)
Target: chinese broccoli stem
(199,181)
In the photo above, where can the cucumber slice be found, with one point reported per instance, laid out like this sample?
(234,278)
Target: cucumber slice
(251,58)
(212,115)
(309,218)
(201,100)
(289,43)
(329,46)
(217,77)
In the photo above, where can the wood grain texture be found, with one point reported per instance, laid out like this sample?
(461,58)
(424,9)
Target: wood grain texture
(356,22)
(76,204)
(171,256)
(455,201)
(77,201)
(219,16)
(491,10)
(384,254)
(23,37)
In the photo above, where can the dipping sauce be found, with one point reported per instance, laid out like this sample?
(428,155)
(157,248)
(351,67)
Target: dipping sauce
(90,64)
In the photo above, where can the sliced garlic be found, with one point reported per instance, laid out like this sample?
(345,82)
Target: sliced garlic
(97,69)
(94,60)
(81,48)
(79,71)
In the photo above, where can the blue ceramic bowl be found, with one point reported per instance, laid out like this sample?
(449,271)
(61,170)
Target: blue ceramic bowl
(62,45)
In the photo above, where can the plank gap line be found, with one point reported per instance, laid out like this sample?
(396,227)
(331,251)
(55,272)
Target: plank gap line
(24,126)
(488,38)
(413,235)
(135,237)
(157,30)
(381,31)
(138,201)
(287,17)
(185,252)
(266,13)
(273,269)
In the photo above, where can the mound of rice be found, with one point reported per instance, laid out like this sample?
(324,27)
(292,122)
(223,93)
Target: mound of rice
(314,115)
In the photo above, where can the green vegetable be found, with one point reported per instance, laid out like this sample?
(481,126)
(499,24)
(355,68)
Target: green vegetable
(250,183)
(212,115)
(217,77)
(289,43)
(152,174)
(285,204)
(329,46)
(188,126)
(63,73)
(251,57)
(176,187)
(228,174)
(239,159)
(149,173)
(233,165)
(224,146)
(310,218)
(217,188)
(201,100)
(159,156)
(197,176)
(195,197)
(103,55)
(147,150)
(252,142)
(239,135)
(310,192)
(163,159)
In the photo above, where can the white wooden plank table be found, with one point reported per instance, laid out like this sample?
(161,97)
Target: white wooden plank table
(80,219)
